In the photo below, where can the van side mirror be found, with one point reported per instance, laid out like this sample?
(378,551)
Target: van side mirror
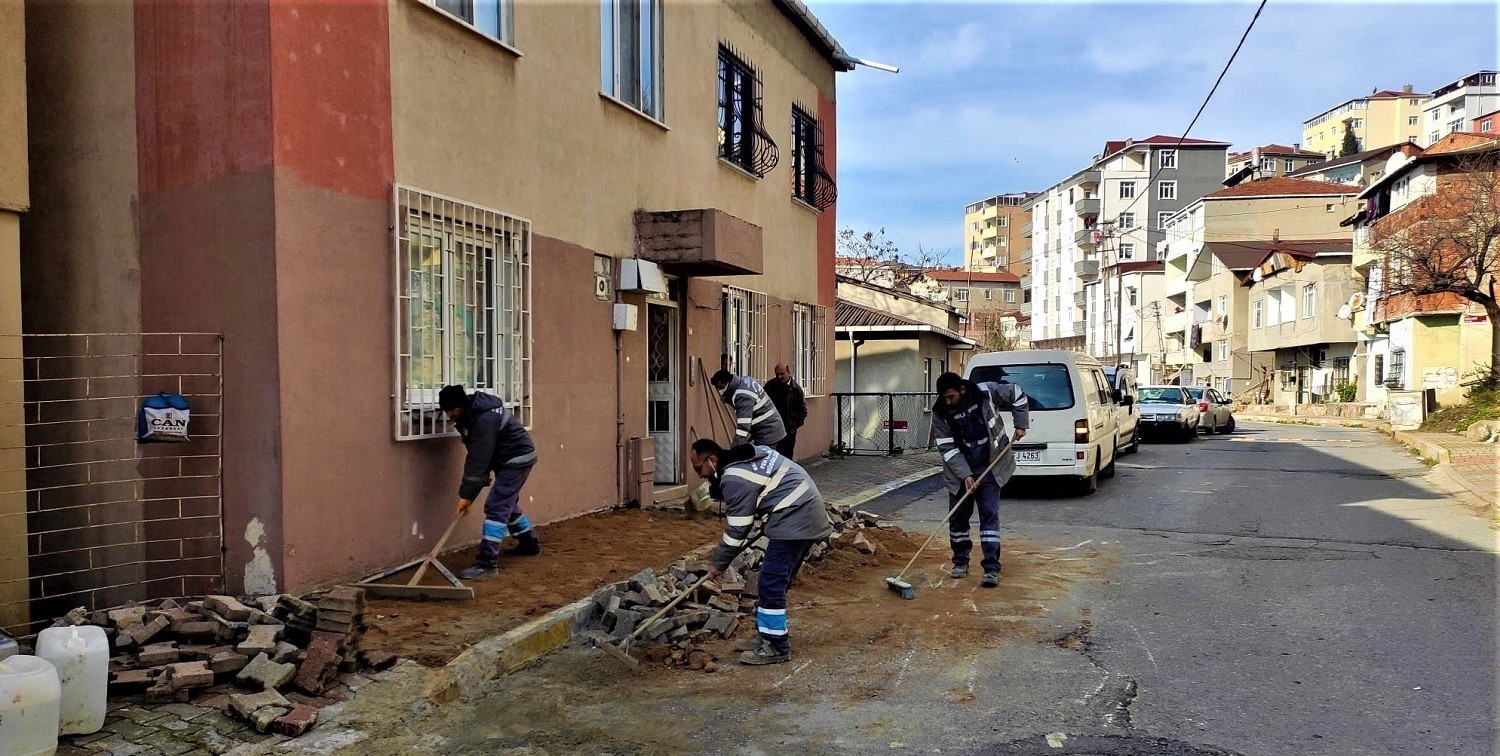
(1116,396)
(1128,401)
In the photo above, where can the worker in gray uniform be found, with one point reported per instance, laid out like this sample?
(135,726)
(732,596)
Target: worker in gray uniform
(497,442)
(755,416)
(757,482)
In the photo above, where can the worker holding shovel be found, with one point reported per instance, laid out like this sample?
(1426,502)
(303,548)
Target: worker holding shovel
(756,481)
(969,432)
(497,442)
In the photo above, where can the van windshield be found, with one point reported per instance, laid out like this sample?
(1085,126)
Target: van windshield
(1162,396)
(1047,387)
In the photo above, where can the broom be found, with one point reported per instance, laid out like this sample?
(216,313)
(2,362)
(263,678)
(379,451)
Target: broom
(895,582)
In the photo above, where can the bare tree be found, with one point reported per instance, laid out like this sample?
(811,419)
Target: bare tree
(875,259)
(1446,242)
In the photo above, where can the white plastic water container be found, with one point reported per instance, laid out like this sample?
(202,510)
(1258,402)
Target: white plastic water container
(81,656)
(29,706)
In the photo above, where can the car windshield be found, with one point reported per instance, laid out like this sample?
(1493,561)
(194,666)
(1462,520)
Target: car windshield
(1162,395)
(1047,387)
(1197,394)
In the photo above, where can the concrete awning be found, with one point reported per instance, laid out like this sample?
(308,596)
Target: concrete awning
(705,242)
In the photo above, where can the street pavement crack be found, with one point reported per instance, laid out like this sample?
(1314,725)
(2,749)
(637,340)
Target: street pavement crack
(1116,692)
(1311,541)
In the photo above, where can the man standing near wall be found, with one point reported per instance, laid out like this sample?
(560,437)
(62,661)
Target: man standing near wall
(756,419)
(791,404)
(497,442)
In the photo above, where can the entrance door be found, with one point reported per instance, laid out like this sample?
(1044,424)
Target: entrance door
(663,370)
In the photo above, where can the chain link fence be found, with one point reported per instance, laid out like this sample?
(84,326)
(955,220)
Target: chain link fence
(884,423)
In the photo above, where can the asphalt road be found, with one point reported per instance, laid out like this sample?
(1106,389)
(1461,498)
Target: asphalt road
(1285,590)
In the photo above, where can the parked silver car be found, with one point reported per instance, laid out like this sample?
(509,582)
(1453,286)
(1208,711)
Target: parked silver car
(1218,415)
(1169,411)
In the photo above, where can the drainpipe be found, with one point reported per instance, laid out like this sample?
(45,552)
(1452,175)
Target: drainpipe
(853,400)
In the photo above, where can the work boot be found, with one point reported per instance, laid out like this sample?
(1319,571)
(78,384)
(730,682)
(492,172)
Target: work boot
(765,653)
(478,570)
(959,571)
(748,644)
(528,546)
(990,580)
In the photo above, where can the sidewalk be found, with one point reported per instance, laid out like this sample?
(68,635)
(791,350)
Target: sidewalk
(849,482)
(1473,466)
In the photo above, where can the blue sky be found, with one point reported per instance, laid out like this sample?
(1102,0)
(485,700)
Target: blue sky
(1002,97)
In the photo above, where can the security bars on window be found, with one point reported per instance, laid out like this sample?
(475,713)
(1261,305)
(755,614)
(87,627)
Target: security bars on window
(463,308)
(810,180)
(745,331)
(743,139)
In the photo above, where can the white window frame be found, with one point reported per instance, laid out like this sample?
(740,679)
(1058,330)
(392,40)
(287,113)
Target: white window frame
(1413,120)
(1127,250)
(960,295)
(808,351)
(989,295)
(1002,222)
(648,15)
(1166,190)
(1221,350)
(1222,304)
(1168,158)
(498,360)
(1127,190)
(1309,300)
(1455,125)
(1127,221)
(1163,220)
(1356,123)
(744,330)
(466,12)
(1485,126)
(1268,164)
(1289,165)
(1257,313)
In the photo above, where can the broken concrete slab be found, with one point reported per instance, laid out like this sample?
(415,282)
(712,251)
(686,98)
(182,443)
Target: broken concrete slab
(260,640)
(227,607)
(127,617)
(228,661)
(295,722)
(266,673)
(246,704)
(194,674)
(158,654)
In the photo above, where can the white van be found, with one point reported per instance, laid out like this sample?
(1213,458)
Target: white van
(1127,407)
(1074,430)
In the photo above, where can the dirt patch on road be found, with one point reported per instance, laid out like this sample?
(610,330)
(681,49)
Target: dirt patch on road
(579,556)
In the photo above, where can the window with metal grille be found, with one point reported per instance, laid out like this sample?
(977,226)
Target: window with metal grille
(492,18)
(1379,369)
(742,135)
(745,331)
(463,308)
(1397,372)
(810,180)
(809,356)
(630,53)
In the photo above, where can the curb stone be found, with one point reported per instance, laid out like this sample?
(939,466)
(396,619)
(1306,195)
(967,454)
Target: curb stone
(861,498)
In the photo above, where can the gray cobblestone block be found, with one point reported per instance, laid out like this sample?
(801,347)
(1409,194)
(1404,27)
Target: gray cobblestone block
(266,715)
(266,673)
(228,607)
(261,640)
(126,617)
(246,704)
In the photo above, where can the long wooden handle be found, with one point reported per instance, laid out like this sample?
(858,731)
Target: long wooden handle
(417,578)
(977,482)
(752,538)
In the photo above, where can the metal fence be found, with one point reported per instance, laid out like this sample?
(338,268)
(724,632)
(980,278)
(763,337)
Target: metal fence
(88,517)
(884,423)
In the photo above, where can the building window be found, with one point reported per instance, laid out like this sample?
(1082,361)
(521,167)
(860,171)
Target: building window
(1484,126)
(808,351)
(630,44)
(1166,190)
(1356,123)
(742,137)
(1257,313)
(927,373)
(1289,165)
(1309,300)
(492,18)
(1455,106)
(1379,369)
(961,295)
(1127,190)
(1437,115)
(1414,102)
(745,331)
(463,308)
(1455,125)
(1223,306)
(1130,296)
(1221,350)
(1002,221)
(1163,221)
(1413,120)
(1396,376)
(989,295)
(1127,251)
(810,180)
(1009,296)
(1127,221)
(1434,136)
(1168,158)
(1268,165)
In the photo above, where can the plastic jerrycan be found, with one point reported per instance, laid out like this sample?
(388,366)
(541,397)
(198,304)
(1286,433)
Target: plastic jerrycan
(81,656)
(29,698)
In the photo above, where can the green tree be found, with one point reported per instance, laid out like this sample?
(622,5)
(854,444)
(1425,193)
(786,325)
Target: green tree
(1351,144)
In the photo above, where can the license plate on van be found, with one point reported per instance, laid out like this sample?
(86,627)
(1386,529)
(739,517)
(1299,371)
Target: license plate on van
(1024,457)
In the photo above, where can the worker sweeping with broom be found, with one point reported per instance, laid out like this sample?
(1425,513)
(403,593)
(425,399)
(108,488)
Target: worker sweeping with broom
(756,481)
(497,442)
(970,432)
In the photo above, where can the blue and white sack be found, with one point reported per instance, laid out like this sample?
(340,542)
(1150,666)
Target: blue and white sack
(163,419)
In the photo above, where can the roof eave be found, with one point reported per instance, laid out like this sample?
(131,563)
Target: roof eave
(816,33)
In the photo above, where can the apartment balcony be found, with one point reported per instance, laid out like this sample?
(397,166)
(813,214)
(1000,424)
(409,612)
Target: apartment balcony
(1087,206)
(1085,238)
(1089,178)
(1081,297)
(1088,270)
(1176,322)
(1080,328)
(1026,279)
(1026,229)
(1180,357)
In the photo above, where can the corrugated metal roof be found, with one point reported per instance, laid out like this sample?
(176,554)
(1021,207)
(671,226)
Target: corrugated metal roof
(847,314)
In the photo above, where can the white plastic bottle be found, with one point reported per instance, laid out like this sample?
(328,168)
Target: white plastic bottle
(29,698)
(81,656)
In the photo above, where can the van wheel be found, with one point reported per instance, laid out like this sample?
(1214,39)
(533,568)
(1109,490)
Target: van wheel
(1135,441)
(1109,472)
(1088,485)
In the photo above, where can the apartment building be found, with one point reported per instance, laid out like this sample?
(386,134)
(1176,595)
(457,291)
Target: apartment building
(1269,161)
(1409,341)
(1298,295)
(579,207)
(992,234)
(1359,169)
(985,301)
(1204,320)
(1109,213)
(1487,123)
(1378,119)
(1455,105)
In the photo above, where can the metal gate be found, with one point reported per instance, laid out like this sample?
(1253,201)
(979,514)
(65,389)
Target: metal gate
(884,423)
(88,517)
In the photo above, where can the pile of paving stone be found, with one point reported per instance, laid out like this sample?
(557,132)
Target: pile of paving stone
(714,610)
(213,650)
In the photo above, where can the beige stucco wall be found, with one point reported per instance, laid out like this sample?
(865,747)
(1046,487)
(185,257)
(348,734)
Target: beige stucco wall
(1334,285)
(458,97)
(903,307)
(13,169)
(1292,217)
(14,199)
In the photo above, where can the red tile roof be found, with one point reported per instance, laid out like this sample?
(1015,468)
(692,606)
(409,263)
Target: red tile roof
(1283,186)
(1391,94)
(1113,146)
(964,275)
(1279,150)
(1460,141)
